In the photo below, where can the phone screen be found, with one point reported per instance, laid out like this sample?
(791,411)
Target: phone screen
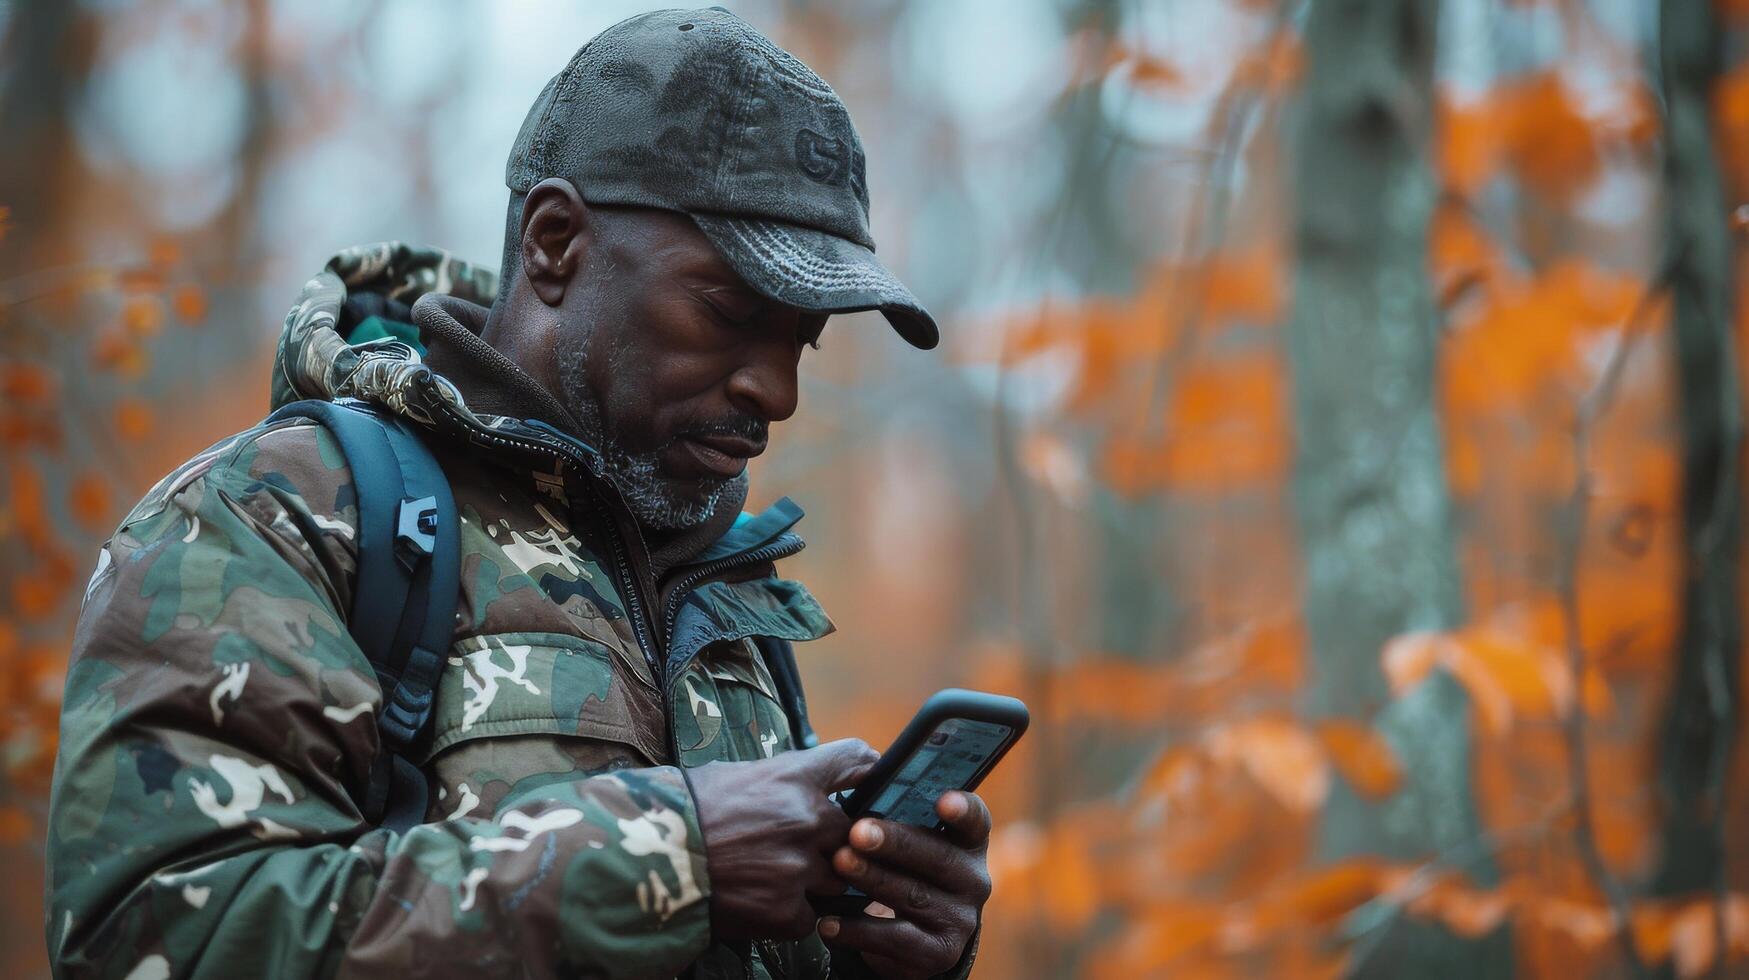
(947,760)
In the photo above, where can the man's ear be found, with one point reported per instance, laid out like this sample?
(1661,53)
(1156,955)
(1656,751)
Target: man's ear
(555,237)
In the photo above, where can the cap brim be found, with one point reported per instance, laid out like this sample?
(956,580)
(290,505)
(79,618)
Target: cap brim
(817,271)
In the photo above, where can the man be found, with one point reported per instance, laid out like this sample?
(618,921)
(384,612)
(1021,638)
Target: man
(615,791)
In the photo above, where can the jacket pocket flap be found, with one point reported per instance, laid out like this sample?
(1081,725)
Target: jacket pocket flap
(542,683)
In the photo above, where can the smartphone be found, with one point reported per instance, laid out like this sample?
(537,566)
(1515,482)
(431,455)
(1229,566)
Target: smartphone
(953,742)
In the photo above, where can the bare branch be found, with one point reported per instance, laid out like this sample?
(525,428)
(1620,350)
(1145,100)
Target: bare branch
(1572,530)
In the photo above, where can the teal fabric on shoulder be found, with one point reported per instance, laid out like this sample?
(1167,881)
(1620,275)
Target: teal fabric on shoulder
(379,328)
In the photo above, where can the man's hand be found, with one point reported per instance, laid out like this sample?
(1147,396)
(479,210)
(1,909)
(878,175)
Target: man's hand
(769,831)
(936,886)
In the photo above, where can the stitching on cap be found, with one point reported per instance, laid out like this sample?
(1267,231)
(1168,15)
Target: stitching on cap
(723,182)
(783,252)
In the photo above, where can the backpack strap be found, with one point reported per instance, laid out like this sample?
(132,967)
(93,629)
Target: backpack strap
(404,599)
(780,660)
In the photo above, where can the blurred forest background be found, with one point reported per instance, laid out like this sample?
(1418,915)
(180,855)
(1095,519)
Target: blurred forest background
(1337,437)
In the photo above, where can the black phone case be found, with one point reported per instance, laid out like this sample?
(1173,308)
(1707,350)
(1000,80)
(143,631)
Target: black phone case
(951,702)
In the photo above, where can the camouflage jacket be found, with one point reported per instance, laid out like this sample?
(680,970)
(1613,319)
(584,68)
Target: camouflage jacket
(218,726)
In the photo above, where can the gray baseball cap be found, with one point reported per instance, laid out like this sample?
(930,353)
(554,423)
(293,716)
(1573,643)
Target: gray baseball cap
(695,111)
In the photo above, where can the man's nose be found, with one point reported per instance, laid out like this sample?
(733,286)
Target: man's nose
(766,385)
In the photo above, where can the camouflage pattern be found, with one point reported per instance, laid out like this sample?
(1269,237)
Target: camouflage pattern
(219,723)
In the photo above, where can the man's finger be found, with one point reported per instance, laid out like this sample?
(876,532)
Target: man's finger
(922,853)
(901,941)
(966,817)
(837,765)
(907,896)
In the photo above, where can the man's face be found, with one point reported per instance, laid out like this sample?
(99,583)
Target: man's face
(675,368)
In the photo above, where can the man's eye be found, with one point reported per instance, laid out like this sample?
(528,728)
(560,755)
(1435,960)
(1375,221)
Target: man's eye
(728,317)
(732,313)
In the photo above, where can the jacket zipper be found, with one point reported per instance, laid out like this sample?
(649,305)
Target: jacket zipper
(626,575)
(770,552)
(764,553)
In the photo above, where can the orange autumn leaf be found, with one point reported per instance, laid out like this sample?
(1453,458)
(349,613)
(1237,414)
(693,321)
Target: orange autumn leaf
(164,252)
(89,501)
(1652,924)
(1153,71)
(26,383)
(1055,465)
(140,279)
(19,430)
(118,352)
(1053,866)
(1586,925)
(1362,756)
(1141,67)
(1529,335)
(1534,677)
(1069,881)
(1462,257)
(1278,754)
(142,316)
(1473,914)
(1468,146)
(1731,101)
(1513,664)
(1158,938)
(36,597)
(1551,145)
(1410,658)
(25,499)
(15,826)
(133,418)
(1225,427)
(1538,128)
(1448,898)
(1102,337)
(1247,285)
(1321,896)
(1684,932)
(189,303)
(1275,66)
(1693,941)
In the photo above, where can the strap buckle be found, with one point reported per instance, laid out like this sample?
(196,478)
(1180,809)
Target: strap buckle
(416,530)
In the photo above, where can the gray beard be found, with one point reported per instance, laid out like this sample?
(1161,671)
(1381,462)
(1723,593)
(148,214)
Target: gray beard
(657,502)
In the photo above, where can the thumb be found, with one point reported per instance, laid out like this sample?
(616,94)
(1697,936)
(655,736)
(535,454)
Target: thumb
(837,765)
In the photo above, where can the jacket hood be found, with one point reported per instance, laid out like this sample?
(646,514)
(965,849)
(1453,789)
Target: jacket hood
(339,339)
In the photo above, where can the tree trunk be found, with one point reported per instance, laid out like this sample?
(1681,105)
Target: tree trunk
(47,54)
(1370,488)
(1700,718)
